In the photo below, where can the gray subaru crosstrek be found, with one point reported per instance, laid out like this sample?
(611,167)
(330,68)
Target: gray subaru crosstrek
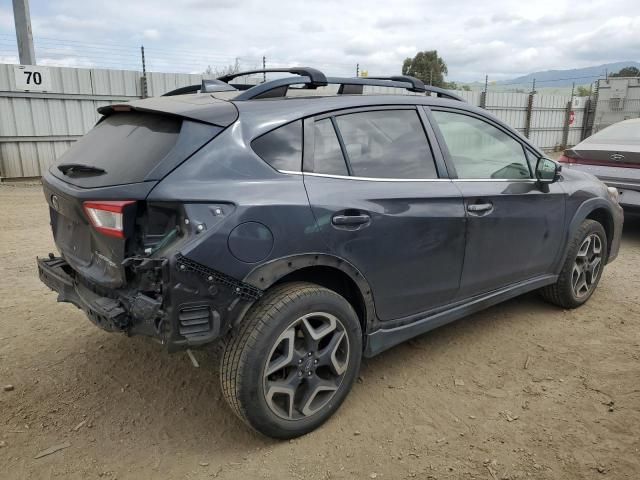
(306,223)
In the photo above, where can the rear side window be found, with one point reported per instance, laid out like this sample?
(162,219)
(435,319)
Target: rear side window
(281,148)
(126,145)
(386,144)
(327,154)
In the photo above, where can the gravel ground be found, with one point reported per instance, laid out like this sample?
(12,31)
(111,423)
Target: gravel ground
(522,390)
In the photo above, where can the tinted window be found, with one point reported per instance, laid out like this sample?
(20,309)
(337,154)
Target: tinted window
(386,144)
(126,145)
(480,150)
(281,148)
(327,155)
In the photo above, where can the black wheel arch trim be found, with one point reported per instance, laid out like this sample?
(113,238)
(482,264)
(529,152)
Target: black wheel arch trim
(269,273)
(580,215)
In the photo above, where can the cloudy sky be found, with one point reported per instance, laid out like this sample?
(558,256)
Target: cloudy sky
(501,38)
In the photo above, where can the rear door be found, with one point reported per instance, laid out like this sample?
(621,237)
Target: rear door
(380,198)
(515,227)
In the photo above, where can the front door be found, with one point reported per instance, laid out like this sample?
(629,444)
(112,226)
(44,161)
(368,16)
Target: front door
(515,226)
(374,188)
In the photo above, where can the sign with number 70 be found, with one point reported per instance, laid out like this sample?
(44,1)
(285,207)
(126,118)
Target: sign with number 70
(32,78)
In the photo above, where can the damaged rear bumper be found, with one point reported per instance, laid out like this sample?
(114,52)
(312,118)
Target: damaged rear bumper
(105,312)
(178,302)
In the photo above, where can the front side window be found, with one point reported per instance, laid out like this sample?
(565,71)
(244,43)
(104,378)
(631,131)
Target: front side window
(386,144)
(281,148)
(479,150)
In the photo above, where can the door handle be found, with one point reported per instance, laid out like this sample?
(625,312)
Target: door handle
(350,220)
(479,207)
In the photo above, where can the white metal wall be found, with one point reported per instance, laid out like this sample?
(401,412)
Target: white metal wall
(618,99)
(36,128)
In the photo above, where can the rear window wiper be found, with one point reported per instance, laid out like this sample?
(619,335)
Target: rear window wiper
(73,168)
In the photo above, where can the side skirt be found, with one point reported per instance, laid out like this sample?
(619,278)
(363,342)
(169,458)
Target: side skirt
(383,339)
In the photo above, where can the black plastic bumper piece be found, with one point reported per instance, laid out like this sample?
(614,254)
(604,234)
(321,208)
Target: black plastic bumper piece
(106,313)
(241,289)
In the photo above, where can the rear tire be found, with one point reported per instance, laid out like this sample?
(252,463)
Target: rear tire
(582,269)
(290,364)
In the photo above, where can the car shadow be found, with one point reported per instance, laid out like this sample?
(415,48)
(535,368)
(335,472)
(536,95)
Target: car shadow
(631,229)
(132,387)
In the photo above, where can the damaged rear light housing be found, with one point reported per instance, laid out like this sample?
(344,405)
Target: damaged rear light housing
(107,216)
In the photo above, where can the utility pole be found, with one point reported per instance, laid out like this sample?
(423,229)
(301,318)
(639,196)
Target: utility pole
(24,36)
(264,67)
(527,126)
(483,95)
(357,70)
(143,80)
(567,117)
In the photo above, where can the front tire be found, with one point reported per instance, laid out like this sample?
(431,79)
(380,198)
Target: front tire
(293,360)
(582,269)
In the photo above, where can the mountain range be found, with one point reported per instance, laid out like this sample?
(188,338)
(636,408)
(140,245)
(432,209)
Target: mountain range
(564,78)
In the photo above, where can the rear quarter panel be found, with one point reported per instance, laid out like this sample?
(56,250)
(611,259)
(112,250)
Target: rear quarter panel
(227,172)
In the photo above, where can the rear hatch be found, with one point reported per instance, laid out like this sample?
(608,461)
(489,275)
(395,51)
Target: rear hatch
(96,191)
(615,146)
(610,155)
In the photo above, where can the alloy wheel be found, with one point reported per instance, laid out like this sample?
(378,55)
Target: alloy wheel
(306,366)
(587,266)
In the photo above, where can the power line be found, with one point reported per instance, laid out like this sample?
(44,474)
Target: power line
(117,55)
(72,41)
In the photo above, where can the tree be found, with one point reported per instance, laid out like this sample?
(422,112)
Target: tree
(627,72)
(426,66)
(222,71)
(582,91)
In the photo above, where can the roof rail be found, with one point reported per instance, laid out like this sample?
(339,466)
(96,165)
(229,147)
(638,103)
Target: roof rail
(317,78)
(442,93)
(417,85)
(207,86)
(278,87)
(310,78)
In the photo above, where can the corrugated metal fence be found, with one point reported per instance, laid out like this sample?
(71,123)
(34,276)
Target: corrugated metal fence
(36,128)
(618,99)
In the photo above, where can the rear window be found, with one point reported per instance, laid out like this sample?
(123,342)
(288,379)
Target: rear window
(126,145)
(327,155)
(624,133)
(281,148)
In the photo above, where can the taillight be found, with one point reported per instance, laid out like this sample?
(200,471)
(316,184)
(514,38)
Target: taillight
(568,156)
(108,216)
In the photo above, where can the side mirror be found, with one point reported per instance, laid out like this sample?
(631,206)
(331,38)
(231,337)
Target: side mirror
(547,171)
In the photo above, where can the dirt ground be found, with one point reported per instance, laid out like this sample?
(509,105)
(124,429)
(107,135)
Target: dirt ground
(522,390)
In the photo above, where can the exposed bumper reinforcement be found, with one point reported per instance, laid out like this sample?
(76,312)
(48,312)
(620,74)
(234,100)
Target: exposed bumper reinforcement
(179,302)
(107,313)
